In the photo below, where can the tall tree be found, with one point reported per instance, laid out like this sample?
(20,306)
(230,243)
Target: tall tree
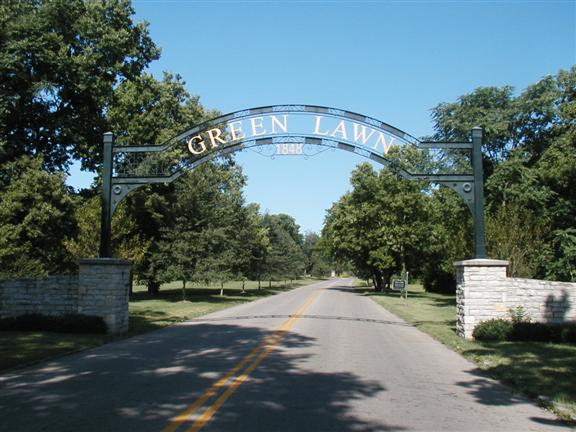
(530,166)
(127,241)
(61,61)
(205,242)
(316,263)
(148,111)
(36,219)
(380,226)
(285,258)
(255,244)
(491,108)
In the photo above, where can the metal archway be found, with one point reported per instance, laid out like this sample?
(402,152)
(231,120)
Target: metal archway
(294,129)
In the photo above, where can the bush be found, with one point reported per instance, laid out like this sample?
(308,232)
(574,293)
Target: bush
(78,323)
(524,331)
(69,323)
(519,315)
(532,332)
(493,330)
(541,332)
(568,333)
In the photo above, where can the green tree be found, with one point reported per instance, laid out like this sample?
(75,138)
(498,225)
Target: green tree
(36,219)
(258,244)
(126,240)
(515,234)
(316,263)
(147,111)
(380,227)
(285,258)
(450,239)
(61,61)
(492,109)
(206,240)
(530,166)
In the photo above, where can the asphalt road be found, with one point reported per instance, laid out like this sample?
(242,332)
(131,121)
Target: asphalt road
(319,358)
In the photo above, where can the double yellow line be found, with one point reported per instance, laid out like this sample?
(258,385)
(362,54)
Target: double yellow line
(246,365)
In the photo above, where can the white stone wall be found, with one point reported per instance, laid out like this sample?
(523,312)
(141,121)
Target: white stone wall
(484,292)
(52,295)
(101,289)
(544,301)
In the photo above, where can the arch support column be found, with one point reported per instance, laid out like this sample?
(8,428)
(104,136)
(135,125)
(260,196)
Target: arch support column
(481,287)
(103,289)
(106,217)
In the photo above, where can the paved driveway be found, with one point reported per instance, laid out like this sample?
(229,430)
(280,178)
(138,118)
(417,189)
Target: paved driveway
(318,358)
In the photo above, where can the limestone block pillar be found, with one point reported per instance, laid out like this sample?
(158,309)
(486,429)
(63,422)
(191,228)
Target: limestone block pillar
(103,288)
(481,290)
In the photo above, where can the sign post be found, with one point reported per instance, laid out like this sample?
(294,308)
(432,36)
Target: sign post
(400,285)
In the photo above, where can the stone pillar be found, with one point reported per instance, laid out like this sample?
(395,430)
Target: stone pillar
(103,288)
(480,293)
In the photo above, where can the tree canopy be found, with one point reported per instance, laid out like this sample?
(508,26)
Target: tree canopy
(73,69)
(529,163)
(61,62)
(380,226)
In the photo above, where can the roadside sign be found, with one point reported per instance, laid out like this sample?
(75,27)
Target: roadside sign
(398,285)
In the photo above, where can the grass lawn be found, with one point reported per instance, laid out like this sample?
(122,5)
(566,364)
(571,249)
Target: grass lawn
(147,313)
(542,371)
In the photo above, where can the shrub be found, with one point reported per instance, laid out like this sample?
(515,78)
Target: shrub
(493,330)
(541,332)
(78,323)
(524,331)
(519,315)
(69,323)
(27,322)
(532,332)
(568,333)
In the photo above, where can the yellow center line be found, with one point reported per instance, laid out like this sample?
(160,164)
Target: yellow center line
(268,343)
(184,415)
(207,415)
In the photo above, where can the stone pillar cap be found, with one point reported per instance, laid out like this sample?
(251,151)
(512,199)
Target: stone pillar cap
(482,262)
(103,261)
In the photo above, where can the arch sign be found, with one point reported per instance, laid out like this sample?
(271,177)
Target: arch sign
(295,130)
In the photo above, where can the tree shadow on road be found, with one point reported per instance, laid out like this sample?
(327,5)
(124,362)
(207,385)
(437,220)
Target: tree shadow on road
(143,382)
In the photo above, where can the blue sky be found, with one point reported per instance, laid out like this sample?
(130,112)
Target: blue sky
(392,60)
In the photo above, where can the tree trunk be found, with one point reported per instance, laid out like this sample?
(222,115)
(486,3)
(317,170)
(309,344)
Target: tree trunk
(270,283)
(386,281)
(153,287)
(243,286)
(222,288)
(259,284)
(379,282)
(183,290)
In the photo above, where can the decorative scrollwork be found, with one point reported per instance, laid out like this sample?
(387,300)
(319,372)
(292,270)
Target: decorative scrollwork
(373,122)
(245,113)
(288,108)
(265,150)
(336,112)
(288,139)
